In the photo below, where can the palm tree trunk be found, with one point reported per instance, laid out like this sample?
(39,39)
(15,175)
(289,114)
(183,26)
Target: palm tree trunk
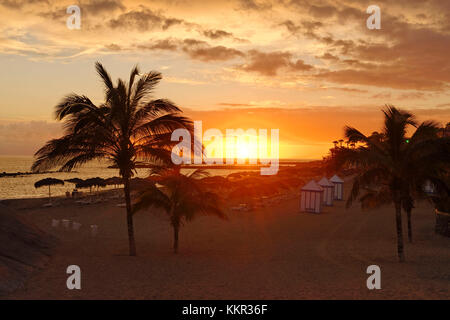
(398,220)
(131,241)
(176,228)
(49,194)
(408,214)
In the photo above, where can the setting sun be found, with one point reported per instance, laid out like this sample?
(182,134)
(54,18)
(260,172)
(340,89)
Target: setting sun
(242,151)
(238,144)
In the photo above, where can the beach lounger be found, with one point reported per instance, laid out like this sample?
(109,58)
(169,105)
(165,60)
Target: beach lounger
(94,230)
(55,223)
(76,226)
(66,223)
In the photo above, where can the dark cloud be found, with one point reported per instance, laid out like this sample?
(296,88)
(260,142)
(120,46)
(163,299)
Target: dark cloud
(101,6)
(18,4)
(291,26)
(165,44)
(201,50)
(269,63)
(402,55)
(167,23)
(256,5)
(329,56)
(217,34)
(322,11)
(265,63)
(143,19)
(306,28)
(195,49)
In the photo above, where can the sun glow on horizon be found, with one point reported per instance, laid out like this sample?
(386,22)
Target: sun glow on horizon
(246,149)
(241,147)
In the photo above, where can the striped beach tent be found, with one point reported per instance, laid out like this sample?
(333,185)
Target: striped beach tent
(338,187)
(311,197)
(428,187)
(328,191)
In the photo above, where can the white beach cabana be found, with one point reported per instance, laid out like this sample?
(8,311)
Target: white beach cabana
(328,191)
(338,187)
(428,187)
(311,197)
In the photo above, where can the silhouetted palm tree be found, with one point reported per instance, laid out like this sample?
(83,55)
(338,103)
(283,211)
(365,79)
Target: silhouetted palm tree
(392,168)
(181,196)
(130,126)
(427,158)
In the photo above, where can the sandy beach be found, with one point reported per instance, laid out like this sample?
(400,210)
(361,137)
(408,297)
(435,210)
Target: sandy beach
(270,253)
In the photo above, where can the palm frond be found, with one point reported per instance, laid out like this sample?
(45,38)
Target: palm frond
(163,124)
(151,197)
(354,135)
(73,104)
(144,87)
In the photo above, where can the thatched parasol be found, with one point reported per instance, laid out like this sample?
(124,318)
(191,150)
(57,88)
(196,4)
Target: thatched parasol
(115,181)
(74,180)
(91,182)
(48,182)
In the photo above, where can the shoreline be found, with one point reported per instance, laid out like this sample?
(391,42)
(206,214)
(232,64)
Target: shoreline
(292,170)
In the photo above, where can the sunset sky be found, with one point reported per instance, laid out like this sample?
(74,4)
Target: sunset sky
(306,68)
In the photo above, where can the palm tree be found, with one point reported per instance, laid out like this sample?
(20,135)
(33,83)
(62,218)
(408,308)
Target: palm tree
(130,126)
(392,169)
(427,158)
(181,196)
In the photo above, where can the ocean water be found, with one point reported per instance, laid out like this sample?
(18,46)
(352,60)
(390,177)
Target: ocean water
(23,186)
